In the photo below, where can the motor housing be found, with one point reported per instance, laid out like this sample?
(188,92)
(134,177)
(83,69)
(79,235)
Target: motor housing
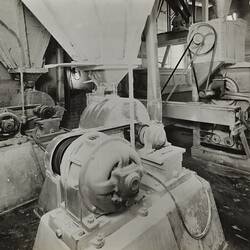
(98,173)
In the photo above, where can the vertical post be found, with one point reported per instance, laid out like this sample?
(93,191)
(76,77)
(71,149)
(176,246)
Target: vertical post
(193,11)
(195,94)
(131,105)
(154,101)
(164,60)
(165,57)
(205,8)
(169,12)
(60,76)
(22,95)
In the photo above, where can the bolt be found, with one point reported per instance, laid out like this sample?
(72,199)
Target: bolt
(90,218)
(98,241)
(59,233)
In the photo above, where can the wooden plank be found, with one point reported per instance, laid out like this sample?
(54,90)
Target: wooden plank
(200,112)
(172,38)
(237,162)
(166,39)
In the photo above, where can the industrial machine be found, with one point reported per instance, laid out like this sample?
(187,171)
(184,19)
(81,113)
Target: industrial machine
(103,193)
(220,108)
(116,182)
(29,118)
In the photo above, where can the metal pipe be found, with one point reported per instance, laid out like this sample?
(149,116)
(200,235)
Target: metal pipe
(60,76)
(205,11)
(193,11)
(131,105)
(22,96)
(169,12)
(154,101)
(223,7)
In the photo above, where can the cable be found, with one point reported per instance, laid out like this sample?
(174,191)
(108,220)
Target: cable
(212,61)
(194,72)
(204,232)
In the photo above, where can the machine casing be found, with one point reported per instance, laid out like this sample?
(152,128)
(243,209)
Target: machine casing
(152,222)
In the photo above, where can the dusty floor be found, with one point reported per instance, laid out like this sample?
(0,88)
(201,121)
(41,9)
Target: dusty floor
(231,191)
(232,198)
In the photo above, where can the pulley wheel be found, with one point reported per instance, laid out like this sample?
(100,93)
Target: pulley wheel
(58,154)
(204,38)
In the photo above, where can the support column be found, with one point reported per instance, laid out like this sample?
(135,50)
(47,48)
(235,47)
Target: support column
(154,101)
(60,76)
(205,8)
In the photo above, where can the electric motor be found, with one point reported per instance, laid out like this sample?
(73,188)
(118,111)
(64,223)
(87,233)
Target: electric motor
(99,173)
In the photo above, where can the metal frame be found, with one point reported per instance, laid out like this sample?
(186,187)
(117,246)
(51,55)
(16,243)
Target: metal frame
(199,112)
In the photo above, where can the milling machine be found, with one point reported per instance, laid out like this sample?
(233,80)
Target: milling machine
(116,182)
(221,93)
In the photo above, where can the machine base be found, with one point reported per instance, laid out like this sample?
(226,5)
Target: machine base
(159,226)
(237,162)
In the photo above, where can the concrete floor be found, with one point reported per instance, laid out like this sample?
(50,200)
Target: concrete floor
(231,191)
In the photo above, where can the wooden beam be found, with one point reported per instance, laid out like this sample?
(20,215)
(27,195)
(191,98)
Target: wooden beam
(172,38)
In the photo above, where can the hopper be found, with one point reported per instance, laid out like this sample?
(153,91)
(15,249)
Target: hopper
(96,32)
(23,40)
